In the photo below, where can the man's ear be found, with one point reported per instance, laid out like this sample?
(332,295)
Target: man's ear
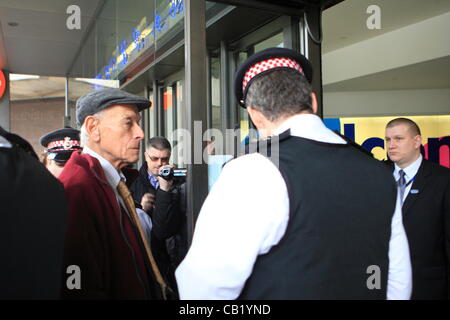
(314,102)
(418,141)
(256,117)
(92,128)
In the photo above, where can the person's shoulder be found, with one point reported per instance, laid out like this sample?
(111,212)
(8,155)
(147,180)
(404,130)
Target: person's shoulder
(77,172)
(250,161)
(435,166)
(251,168)
(436,169)
(373,163)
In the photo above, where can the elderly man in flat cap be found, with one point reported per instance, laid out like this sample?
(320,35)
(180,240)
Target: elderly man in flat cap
(105,242)
(322,222)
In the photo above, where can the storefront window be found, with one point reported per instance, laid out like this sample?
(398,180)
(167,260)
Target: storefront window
(169,111)
(178,154)
(274,41)
(152,117)
(125,31)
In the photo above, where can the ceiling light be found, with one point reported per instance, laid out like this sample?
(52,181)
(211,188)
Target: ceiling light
(100,82)
(13,24)
(17,77)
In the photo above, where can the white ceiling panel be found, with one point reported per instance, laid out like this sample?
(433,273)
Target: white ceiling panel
(40,25)
(40,57)
(57,6)
(345,23)
(41,43)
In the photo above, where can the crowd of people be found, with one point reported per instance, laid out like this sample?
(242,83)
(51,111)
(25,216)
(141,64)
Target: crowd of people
(325,221)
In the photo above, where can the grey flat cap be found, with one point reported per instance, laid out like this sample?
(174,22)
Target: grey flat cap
(99,100)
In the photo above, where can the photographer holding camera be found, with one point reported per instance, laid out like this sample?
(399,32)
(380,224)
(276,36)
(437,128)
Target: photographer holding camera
(161,197)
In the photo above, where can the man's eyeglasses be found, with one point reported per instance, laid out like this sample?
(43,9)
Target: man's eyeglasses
(165,159)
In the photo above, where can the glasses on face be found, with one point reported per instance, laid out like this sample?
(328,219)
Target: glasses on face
(164,159)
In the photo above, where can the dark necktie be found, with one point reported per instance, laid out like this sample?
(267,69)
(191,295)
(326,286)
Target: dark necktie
(401,184)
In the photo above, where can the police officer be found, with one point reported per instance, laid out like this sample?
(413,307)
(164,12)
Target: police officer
(59,146)
(306,225)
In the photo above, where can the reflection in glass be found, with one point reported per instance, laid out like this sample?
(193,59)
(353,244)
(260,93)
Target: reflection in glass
(216,116)
(274,41)
(178,155)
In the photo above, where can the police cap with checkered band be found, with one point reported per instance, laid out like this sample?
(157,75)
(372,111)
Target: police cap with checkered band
(61,143)
(266,61)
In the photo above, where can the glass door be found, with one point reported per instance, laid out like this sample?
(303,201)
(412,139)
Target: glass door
(172,115)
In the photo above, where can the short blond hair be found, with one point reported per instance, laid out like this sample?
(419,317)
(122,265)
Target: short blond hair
(413,127)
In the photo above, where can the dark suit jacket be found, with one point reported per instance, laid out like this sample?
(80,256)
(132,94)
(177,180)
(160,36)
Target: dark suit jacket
(426,218)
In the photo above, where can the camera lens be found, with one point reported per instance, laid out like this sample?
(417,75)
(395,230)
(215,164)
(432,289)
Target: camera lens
(166,173)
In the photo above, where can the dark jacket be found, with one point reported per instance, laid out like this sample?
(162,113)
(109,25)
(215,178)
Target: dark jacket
(168,239)
(426,218)
(101,239)
(33,220)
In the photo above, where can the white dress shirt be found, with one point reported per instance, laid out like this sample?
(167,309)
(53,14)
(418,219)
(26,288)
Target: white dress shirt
(243,218)
(410,174)
(113,177)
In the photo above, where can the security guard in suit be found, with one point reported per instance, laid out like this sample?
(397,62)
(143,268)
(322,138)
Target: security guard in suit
(424,188)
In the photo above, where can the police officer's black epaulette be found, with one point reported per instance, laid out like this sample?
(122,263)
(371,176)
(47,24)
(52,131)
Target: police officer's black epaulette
(261,145)
(354,144)
(264,145)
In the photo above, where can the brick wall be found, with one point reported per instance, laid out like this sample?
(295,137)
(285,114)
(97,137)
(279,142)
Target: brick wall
(34,118)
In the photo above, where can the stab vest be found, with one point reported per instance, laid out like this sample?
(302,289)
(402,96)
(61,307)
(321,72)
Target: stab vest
(341,204)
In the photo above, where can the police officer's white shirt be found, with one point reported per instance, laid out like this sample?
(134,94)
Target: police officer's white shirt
(410,174)
(113,177)
(246,214)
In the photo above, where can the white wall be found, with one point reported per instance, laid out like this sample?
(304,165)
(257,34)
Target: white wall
(384,103)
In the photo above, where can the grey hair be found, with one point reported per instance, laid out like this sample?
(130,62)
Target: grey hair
(84,137)
(279,94)
(159,143)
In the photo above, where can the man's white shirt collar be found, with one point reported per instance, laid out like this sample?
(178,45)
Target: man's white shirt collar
(309,126)
(112,175)
(410,171)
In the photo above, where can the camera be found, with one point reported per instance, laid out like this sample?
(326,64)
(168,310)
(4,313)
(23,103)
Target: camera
(170,173)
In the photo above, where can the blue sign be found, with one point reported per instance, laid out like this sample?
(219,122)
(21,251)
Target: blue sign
(176,8)
(123,53)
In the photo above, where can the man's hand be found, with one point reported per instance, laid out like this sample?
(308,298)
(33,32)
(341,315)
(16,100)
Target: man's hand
(164,184)
(148,201)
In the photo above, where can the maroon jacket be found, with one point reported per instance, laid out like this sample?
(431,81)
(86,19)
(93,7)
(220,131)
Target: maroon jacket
(100,238)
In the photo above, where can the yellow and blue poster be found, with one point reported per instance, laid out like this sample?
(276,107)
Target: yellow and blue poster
(370,133)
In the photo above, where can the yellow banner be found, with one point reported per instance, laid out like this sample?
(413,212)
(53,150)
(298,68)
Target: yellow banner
(370,133)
